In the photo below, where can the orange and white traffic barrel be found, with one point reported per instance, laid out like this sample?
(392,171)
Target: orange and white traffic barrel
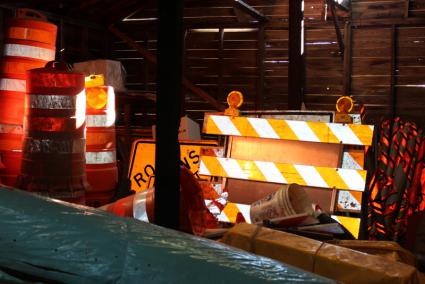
(29,42)
(54,134)
(101,164)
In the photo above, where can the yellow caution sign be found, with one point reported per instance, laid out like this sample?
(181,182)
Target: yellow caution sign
(142,160)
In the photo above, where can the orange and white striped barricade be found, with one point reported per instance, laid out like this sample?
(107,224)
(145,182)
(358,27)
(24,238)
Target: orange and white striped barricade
(350,181)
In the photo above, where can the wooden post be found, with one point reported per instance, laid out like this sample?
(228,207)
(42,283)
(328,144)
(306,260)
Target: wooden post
(296,58)
(169,92)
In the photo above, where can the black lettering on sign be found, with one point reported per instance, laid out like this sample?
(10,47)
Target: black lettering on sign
(149,171)
(194,156)
(139,178)
(185,163)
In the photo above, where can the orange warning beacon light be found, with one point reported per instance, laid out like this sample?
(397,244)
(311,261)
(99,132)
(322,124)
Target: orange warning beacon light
(344,104)
(101,165)
(234,100)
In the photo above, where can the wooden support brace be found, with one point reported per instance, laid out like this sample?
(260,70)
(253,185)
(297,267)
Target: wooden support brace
(152,59)
(244,7)
(331,4)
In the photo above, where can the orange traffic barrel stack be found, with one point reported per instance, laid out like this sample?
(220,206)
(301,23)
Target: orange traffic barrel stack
(29,43)
(101,165)
(53,161)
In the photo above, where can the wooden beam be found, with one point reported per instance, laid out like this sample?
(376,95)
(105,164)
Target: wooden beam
(348,38)
(220,63)
(331,4)
(244,7)
(152,59)
(261,44)
(83,5)
(393,82)
(296,58)
(169,92)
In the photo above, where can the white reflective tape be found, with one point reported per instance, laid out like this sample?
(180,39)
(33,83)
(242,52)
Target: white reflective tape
(11,129)
(50,146)
(270,172)
(372,127)
(244,209)
(139,206)
(203,170)
(353,179)
(347,201)
(302,130)
(14,85)
(348,162)
(97,121)
(36,52)
(225,125)
(311,176)
(232,168)
(263,128)
(52,101)
(344,134)
(96,158)
(223,217)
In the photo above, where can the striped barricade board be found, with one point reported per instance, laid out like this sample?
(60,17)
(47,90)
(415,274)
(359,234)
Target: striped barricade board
(322,132)
(350,201)
(321,177)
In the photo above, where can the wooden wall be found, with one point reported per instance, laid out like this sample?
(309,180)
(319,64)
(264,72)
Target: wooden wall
(225,50)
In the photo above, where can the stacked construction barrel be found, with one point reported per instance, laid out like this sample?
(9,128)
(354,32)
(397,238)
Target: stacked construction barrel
(101,166)
(54,142)
(29,43)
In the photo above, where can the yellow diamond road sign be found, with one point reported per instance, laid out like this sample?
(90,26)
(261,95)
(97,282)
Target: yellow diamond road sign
(142,160)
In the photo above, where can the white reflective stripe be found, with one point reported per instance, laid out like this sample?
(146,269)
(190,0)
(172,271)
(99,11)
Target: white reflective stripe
(225,125)
(14,85)
(348,162)
(232,168)
(244,209)
(311,176)
(353,179)
(344,134)
(97,121)
(347,201)
(52,101)
(95,158)
(223,217)
(50,146)
(302,130)
(139,206)
(263,128)
(11,129)
(203,170)
(21,50)
(372,127)
(270,172)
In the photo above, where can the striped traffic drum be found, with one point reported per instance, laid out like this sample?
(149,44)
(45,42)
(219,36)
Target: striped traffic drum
(32,26)
(54,142)
(29,43)
(12,98)
(12,166)
(101,166)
